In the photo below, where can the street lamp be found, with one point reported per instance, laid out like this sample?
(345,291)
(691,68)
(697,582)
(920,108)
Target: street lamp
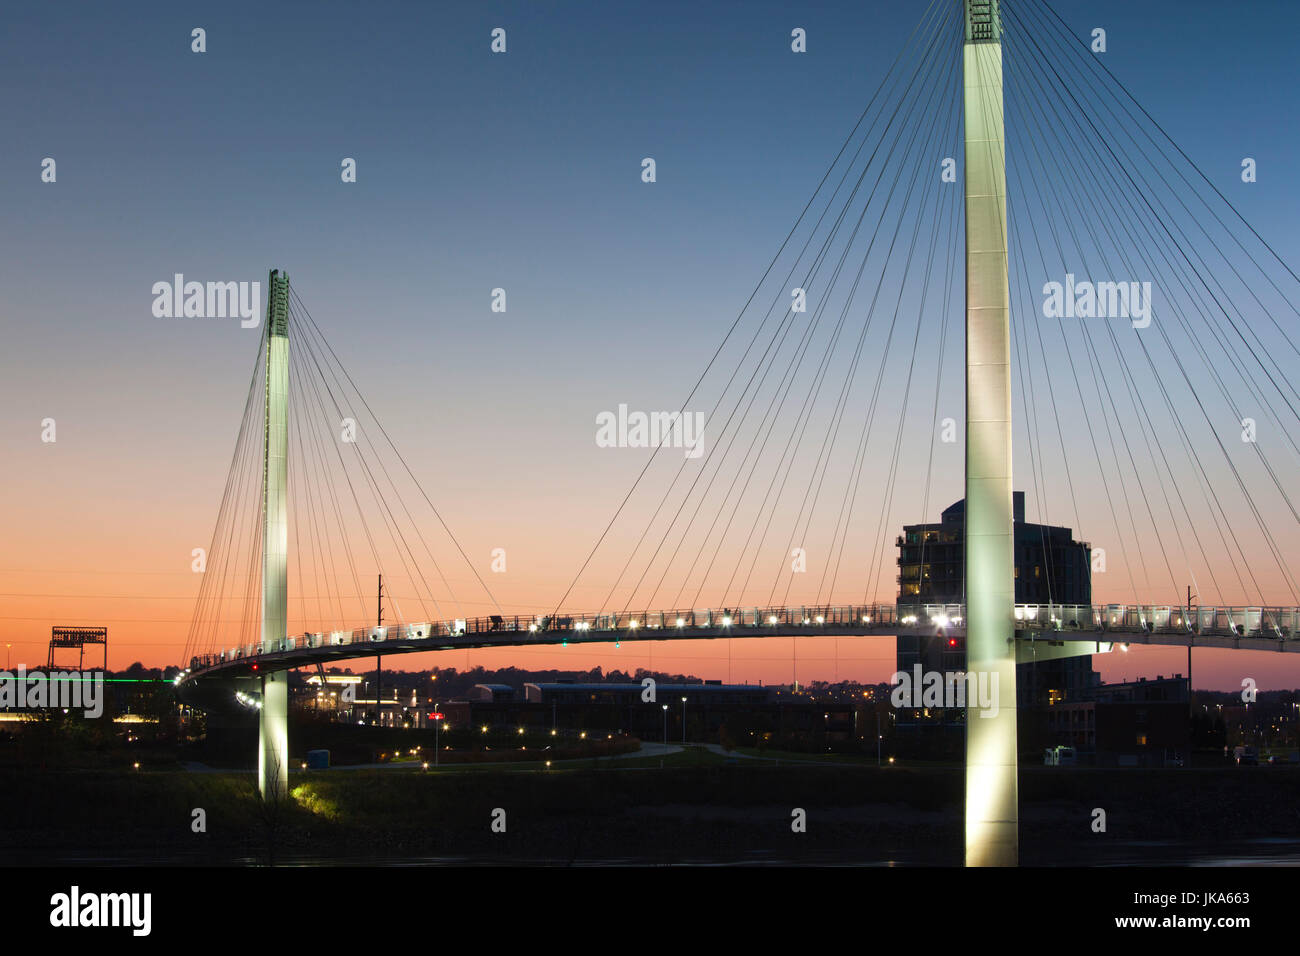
(683,720)
(665,725)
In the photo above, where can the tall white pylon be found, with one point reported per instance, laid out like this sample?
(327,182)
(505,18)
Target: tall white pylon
(991,787)
(273,738)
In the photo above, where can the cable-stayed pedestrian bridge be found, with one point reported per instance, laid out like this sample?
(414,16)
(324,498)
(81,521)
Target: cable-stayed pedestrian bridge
(1002,187)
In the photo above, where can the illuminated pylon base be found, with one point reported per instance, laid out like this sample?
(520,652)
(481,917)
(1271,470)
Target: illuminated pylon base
(273,737)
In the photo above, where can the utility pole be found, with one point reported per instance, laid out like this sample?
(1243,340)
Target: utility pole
(1191,711)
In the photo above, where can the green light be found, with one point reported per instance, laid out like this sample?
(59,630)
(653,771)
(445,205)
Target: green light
(106,680)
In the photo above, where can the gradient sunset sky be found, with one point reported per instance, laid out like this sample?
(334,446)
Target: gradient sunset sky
(477,171)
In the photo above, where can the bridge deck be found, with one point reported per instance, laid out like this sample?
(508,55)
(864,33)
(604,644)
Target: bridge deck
(1244,628)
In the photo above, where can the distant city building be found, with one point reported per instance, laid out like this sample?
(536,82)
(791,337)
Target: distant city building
(346,696)
(1140,723)
(1050,567)
(493,692)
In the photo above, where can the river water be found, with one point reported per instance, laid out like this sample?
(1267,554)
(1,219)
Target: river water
(1262,852)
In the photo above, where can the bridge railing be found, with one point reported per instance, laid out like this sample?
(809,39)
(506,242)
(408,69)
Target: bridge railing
(1259,622)
(545,626)
(1266,622)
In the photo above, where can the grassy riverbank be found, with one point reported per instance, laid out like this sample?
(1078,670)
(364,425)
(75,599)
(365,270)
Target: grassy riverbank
(694,809)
